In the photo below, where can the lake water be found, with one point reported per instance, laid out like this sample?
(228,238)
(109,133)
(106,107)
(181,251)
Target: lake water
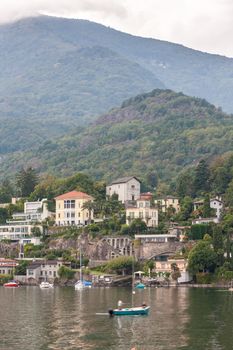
(180,318)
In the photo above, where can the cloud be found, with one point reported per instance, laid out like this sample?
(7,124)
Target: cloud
(205,25)
(11,10)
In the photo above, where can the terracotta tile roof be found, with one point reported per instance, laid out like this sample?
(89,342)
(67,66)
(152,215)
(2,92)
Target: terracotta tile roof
(74,195)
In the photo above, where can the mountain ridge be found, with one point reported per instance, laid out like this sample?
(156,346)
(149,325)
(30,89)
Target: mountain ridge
(160,133)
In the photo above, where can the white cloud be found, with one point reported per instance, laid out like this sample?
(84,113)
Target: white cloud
(202,24)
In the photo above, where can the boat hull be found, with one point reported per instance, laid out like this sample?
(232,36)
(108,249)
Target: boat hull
(133,311)
(46,285)
(11,285)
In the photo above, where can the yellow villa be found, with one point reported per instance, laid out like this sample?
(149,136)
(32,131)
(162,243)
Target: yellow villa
(70,211)
(168,202)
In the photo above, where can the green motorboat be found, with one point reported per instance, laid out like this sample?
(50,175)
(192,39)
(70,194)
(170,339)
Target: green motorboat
(131,311)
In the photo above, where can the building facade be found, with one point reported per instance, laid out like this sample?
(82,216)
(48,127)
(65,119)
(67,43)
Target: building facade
(7,266)
(38,271)
(144,211)
(217,204)
(168,202)
(162,267)
(127,189)
(70,210)
(22,224)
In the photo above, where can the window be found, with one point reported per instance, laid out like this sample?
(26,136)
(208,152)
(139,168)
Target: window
(133,187)
(30,272)
(59,215)
(72,214)
(69,204)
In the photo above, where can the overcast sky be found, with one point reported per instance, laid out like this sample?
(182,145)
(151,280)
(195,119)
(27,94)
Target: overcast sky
(206,25)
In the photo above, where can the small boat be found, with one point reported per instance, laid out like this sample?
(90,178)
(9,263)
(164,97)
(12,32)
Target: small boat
(131,311)
(82,284)
(11,284)
(46,285)
(140,286)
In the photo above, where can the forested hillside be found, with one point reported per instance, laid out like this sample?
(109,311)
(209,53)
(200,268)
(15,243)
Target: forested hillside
(59,73)
(152,136)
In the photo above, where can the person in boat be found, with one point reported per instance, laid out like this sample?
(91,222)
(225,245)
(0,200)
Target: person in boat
(119,304)
(144,304)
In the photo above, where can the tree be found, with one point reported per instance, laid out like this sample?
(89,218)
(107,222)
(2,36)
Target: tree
(6,192)
(202,258)
(90,206)
(218,244)
(206,207)
(36,232)
(184,184)
(137,226)
(201,178)
(186,209)
(26,180)
(175,272)
(3,215)
(21,268)
(66,273)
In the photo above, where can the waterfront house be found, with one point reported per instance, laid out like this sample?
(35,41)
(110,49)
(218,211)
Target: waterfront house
(7,266)
(70,211)
(168,202)
(126,188)
(40,270)
(162,267)
(142,210)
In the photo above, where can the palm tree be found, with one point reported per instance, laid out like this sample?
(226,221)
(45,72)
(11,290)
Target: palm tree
(91,207)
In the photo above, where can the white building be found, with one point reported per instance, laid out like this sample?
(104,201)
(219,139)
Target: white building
(38,271)
(144,211)
(127,189)
(217,204)
(33,212)
(22,224)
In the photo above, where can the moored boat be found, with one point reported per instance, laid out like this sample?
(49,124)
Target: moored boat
(82,284)
(131,311)
(46,285)
(11,284)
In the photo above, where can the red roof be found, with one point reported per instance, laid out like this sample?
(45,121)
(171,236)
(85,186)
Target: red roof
(74,195)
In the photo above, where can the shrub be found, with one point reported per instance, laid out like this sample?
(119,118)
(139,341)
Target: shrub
(66,273)
(204,278)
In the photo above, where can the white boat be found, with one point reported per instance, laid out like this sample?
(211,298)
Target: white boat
(81,284)
(46,285)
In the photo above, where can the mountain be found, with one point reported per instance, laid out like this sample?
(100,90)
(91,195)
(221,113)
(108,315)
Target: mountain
(57,74)
(50,83)
(151,135)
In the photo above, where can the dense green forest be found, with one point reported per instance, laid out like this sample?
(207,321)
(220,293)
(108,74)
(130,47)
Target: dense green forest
(153,136)
(59,73)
